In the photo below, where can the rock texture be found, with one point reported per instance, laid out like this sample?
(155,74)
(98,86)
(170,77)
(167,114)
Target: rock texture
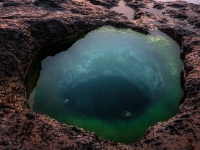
(26,26)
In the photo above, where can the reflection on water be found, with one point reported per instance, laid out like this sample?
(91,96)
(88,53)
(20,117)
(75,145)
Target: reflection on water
(189,1)
(114,82)
(122,8)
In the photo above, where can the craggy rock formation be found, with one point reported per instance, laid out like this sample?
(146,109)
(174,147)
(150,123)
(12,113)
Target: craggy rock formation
(26,26)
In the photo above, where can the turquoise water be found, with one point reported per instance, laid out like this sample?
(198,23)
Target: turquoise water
(113,82)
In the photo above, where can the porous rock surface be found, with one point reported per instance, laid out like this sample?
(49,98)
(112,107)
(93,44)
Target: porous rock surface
(26,26)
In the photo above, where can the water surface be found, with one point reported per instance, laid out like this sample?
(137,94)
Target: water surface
(124,9)
(114,82)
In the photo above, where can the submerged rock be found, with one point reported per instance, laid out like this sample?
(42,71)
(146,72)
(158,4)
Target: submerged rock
(126,114)
(66,101)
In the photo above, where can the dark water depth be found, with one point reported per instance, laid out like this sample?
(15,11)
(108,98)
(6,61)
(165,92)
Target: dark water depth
(107,98)
(114,82)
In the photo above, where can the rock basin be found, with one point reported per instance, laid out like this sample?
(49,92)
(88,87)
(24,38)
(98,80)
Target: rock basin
(113,82)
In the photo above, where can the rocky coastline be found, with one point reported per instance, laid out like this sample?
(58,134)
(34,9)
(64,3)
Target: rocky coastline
(27,26)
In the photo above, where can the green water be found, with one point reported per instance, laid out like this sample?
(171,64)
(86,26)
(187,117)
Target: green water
(114,82)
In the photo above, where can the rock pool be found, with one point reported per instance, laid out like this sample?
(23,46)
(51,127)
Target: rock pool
(113,82)
(122,8)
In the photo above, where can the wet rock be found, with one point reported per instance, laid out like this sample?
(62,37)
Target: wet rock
(163,20)
(178,15)
(4,143)
(197,25)
(136,4)
(105,3)
(177,5)
(127,0)
(159,6)
(141,14)
(50,4)
(10,4)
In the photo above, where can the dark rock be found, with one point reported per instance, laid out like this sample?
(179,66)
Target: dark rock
(177,5)
(136,5)
(105,3)
(178,15)
(10,4)
(50,4)
(4,143)
(159,6)
(197,25)
(128,0)
(163,20)
(30,116)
